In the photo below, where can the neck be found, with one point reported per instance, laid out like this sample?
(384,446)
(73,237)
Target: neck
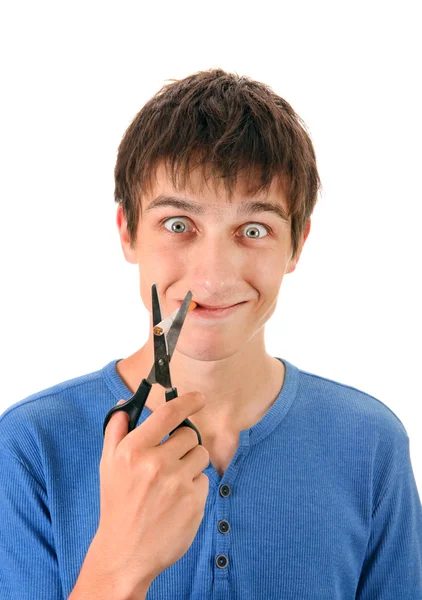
(239,389)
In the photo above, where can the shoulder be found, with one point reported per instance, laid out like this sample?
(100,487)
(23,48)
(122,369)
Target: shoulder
(352,411)
(31,421)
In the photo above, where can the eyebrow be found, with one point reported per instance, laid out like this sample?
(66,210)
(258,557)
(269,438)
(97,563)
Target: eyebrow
(246,208)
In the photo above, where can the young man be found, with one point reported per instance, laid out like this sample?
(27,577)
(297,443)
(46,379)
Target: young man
(303,487)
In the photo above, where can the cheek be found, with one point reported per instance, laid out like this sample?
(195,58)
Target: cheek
(170,263)
(145,291)
(157,258)
(158,265)
(268,271)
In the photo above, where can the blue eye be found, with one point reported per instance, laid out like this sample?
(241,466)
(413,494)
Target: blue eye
(253,227)
(179,226)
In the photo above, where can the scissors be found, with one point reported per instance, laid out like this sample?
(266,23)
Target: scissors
(164,346)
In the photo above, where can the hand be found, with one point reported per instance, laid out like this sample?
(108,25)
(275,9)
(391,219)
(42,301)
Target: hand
(152,495)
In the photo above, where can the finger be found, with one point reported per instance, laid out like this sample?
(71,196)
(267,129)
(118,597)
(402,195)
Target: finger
(164,419)
(195,461)
(180,443)
(116,430)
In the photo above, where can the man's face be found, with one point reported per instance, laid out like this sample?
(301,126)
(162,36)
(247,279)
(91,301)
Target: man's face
(221,256)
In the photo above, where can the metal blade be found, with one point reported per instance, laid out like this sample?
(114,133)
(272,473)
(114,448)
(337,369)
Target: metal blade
(164,345)
(176,328)
(156,307)
(161,362)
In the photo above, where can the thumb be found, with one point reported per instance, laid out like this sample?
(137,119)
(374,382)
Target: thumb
(116,430)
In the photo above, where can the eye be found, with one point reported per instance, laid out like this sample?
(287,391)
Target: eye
(253,229)
(178,226)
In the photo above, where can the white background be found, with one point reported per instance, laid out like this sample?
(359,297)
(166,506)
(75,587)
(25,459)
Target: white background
(74,75)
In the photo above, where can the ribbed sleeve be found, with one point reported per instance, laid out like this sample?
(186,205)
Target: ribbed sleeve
(393,561)
(28,562)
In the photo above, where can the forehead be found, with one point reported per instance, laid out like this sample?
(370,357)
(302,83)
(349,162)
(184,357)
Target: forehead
(212,194)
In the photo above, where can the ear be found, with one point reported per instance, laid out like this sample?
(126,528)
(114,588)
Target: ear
(293,262)
(130,254)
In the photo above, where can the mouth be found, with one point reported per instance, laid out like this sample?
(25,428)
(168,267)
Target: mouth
(198,305)
(212,312)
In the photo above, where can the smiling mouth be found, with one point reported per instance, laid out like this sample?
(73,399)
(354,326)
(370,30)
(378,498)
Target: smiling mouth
(213,314)
(210,313)
(204,310)
(204,306)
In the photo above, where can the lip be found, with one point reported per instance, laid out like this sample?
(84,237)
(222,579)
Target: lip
(216,307)
(214,313)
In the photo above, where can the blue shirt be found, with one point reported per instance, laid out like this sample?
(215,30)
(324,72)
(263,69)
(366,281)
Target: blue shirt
(319,501)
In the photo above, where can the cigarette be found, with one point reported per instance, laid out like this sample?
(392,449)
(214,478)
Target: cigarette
(165,324)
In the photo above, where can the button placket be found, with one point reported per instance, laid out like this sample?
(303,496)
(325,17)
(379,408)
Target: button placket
(223,527)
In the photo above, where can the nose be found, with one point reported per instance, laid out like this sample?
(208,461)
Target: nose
(215,266)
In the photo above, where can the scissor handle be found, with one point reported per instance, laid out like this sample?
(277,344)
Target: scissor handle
(133,407)
(170,395)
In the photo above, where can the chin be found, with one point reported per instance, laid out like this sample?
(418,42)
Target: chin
(205,351)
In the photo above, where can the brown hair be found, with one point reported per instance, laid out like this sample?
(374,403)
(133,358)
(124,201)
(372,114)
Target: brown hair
(226,123)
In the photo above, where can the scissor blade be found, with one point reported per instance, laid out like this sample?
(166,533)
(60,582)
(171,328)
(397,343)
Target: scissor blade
(161,362)
(164,345)
(156,308)
(176,328)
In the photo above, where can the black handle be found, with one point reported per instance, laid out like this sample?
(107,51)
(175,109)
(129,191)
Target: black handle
(170,395)
(133,407)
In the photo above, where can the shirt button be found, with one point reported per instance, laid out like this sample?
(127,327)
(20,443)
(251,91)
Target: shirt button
(222,561)
(225,490)
(223,526)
